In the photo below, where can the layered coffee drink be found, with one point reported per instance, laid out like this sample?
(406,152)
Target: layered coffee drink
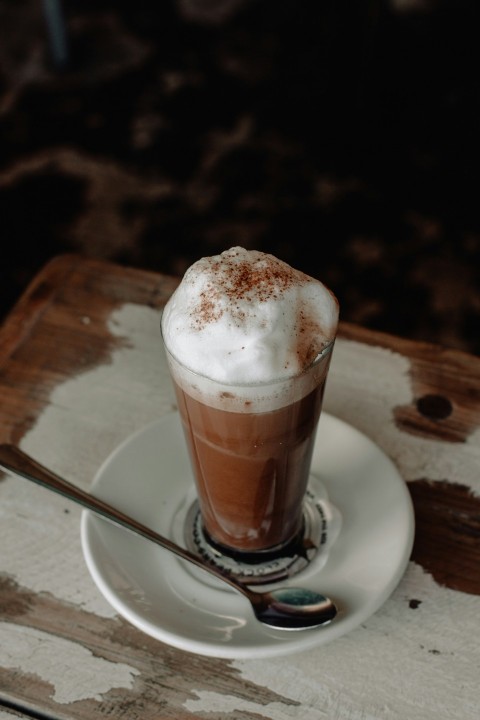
(249,341)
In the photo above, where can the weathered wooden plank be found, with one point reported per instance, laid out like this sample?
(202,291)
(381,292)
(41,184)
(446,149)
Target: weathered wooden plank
(74,663)
(81,367)
(375,387)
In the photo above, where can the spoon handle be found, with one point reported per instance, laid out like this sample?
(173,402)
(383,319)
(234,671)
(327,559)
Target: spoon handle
(15,460)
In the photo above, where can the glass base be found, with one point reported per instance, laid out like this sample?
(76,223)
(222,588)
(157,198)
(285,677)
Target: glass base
(265,566)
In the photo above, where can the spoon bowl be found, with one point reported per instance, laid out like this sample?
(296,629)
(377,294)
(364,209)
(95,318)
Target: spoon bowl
(285,608)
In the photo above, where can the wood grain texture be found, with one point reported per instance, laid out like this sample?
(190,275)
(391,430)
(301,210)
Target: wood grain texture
(116,658)
(61,322)
(81,368)
(447,542)
(443,406)
(445,385)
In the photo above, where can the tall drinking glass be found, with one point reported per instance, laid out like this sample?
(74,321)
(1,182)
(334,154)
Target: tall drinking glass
(250,447)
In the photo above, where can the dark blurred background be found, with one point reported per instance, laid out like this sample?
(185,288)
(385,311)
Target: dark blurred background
(341,136)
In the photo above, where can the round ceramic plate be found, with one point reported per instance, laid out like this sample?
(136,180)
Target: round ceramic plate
(149,477)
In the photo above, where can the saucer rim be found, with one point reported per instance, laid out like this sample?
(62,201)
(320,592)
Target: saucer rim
(281,643)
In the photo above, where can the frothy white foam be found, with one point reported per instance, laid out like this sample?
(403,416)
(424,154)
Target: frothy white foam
(247,317)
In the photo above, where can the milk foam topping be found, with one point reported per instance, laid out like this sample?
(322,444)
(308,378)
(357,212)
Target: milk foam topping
(247,317)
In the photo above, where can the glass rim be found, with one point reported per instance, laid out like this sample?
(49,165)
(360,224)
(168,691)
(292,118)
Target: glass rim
(326,350)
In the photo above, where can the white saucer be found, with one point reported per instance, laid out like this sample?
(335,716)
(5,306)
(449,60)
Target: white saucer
(148,476)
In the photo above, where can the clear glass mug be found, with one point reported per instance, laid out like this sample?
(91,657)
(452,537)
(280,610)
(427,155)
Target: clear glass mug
(251,449)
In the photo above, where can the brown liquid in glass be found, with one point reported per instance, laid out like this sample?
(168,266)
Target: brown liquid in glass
(251,469)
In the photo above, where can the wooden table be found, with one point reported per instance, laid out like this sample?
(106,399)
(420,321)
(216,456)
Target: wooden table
(82,367)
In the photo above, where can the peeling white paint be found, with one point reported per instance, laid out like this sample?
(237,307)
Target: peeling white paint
(400,664)
(365,384)
(72,670)
(87,417)
(90,414)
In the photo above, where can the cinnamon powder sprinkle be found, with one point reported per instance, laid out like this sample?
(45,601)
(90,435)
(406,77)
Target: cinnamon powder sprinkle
(234,281)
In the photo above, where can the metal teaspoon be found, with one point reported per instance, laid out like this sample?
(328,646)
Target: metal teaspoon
(287,608)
